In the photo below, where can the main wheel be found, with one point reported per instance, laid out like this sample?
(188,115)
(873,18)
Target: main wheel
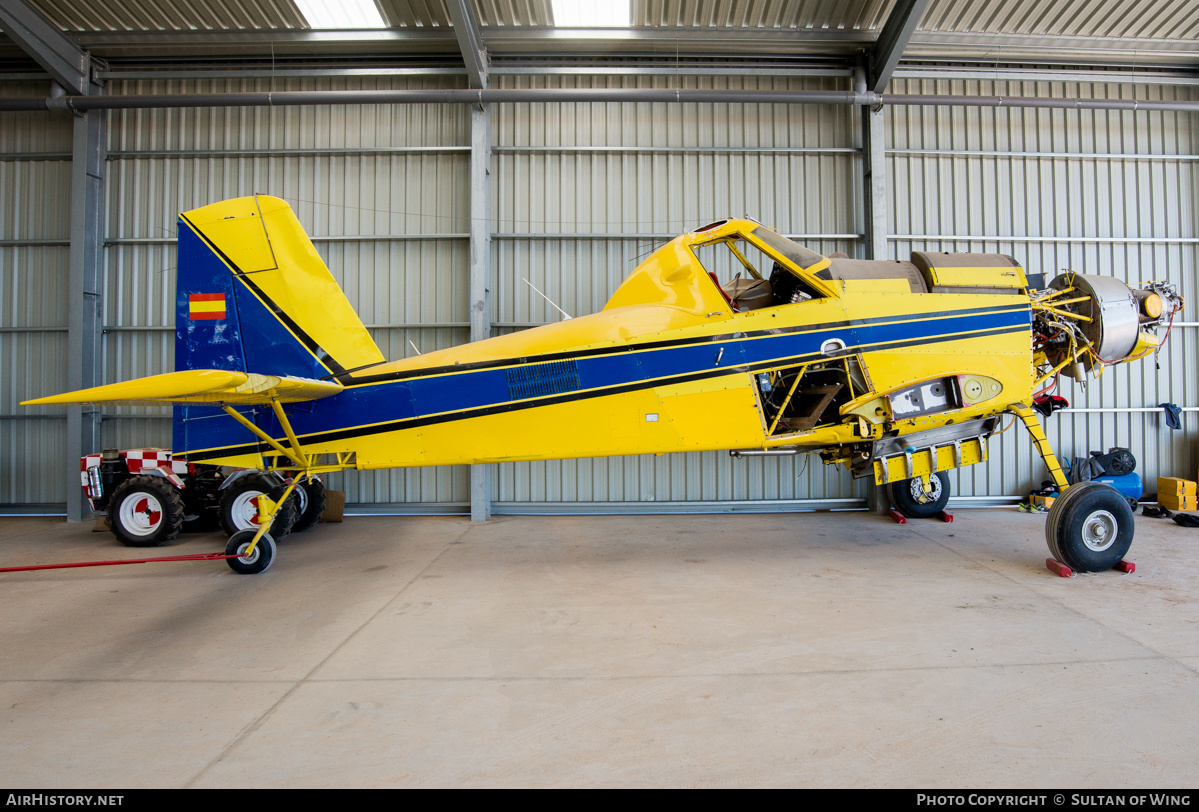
(311,497)
(145,511)
(1057,510)
(917,501)
(258,561)
(239,506)
(1093,530)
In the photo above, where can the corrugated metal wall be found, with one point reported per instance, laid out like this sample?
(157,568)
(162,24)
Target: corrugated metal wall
(382,190)
(1100,192)
(35,201)
(582,191)
(579,193)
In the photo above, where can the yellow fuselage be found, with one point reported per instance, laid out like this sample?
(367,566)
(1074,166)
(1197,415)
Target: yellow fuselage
(668,366)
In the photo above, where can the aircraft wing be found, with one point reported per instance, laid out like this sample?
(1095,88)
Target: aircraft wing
(201,386)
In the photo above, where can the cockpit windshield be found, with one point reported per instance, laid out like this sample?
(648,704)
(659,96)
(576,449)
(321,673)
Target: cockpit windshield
(793,251)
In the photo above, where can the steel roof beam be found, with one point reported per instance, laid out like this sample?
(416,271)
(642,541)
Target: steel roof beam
(524,40)
(892,40)
(66,62)
(470,40)
(543,42)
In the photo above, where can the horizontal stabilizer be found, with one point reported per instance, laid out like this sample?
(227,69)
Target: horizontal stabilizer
(201,386)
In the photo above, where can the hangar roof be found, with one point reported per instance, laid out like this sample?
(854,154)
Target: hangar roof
(1144,33)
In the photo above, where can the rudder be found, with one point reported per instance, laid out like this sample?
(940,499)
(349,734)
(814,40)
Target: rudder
(253,295)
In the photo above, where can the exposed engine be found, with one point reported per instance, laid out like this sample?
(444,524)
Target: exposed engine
(1083,322)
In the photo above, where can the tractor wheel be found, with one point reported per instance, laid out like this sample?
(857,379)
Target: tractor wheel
(916,501)
(311,496)
(145,511)
(239,506)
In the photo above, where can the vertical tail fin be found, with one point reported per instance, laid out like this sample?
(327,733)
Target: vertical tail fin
(254,296)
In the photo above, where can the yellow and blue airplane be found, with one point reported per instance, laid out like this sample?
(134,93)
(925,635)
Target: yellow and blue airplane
(899,371)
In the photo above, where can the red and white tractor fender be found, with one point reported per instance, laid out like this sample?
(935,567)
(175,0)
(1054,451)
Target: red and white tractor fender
(156,462)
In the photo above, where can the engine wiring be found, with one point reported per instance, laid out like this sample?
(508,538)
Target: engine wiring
(1060,340)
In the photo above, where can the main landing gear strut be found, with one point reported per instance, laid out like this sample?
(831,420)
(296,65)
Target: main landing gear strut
(1089,527)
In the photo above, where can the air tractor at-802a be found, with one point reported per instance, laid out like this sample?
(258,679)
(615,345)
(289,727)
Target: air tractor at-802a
(728,337)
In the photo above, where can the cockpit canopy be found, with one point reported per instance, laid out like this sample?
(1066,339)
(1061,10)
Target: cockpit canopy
(726,267)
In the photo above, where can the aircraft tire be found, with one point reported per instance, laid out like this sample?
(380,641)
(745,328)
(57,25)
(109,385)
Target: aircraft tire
(145,511)
(909,497)
(311,499)
(1094,530)
(239,506)
(258,561)
(1053,521)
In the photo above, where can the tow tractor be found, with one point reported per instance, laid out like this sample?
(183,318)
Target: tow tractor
(148,497)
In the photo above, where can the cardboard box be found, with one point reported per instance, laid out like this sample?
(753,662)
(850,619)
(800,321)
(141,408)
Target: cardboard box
(335,505)
(1175,485)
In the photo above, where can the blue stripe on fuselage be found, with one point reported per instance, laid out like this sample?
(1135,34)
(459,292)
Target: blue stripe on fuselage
(454,392)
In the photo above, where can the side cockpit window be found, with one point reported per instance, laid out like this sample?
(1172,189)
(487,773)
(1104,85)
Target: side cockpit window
(750,278)
(733,266)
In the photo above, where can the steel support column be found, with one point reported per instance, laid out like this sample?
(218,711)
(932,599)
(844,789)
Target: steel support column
(874,217)
(84,308)
(480,272)
(874,182)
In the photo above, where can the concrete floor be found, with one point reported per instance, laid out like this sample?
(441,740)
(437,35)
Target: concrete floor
(748,650)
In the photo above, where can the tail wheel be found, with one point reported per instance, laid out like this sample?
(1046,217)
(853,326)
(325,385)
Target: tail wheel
(258,561)
(311,496)
(918,500)
(1089,529)
(145,511)
(239,506)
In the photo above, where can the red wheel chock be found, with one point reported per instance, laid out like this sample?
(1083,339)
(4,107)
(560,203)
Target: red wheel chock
(899,518)
(1058,568)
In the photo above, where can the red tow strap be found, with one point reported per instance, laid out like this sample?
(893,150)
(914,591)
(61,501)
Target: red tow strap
(194,557)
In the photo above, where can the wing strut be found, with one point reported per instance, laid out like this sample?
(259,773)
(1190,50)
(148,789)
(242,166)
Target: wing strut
(294,453)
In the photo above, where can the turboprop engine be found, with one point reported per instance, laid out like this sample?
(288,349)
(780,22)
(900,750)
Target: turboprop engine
(1083,322)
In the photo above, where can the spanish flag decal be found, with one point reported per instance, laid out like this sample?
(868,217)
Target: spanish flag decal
(205,306)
